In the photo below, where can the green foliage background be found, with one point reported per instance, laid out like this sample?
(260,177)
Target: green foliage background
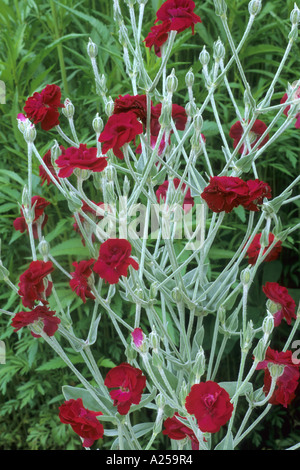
(45,42)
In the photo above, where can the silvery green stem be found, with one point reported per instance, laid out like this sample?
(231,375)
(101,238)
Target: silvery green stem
(253,425)
(268,396)
(168,50)
(65,137)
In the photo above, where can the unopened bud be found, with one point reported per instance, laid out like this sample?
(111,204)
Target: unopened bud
(110,172)
(30,133)
(176,294)
(198,122)
(199,365)
(26,202)
(260,350)
(295,16)
(245,276)
(166,114)
(92,49)
(74,203)
(254,7)
(268,324)
(191,108)
(204,56)
(221,7)
(189,79)
(126,186)
(184,390)
(154,340)
(109,107)
(98,124)
(44,247)
(246,339)
(171,82)
(69,109)
(219,50)
(222,314)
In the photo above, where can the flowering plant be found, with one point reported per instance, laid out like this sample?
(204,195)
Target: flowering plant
(151,153)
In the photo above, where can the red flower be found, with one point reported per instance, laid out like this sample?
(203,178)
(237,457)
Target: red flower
(120,129)
(287,383)
(161,194)
(31,285)
(82,157)
(174,429)
(43,107)
(39,204)
(129,383)
(114,260)
(137,104)
(47,160)
(224,193)
(286,305)
(257,130)
(39,313)
(80,281)
(210,404)
(286,110)
(180,13)
(94,215)
(158,36)
(258,190)
(83,421)
(254,249)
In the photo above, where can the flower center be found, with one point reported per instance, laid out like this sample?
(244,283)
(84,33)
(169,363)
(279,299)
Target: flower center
(209,400)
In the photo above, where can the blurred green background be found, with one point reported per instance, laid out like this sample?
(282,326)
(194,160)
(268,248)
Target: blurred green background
(45,42)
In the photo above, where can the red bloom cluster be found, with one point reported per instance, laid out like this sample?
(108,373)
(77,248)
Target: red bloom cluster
(129,383)
(129,119)
(119,130)
(287,383)
(114,260)
(161,194)
(174,15)
(254,249)
(174,429)
(257,130)
(39,313)
(82,157)
(83,421)
(47,160)
(33,286)
(44,107)
(80,279)
(226,192)
(39,204)
(286,110)
(210,404)
(286,305)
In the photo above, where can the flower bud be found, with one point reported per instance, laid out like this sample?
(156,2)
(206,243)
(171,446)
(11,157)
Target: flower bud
(245,276)
(204,56)
(191,108)
(254,7)
(154,340)
(166,114)
(221,7)
(198,122)
(44,247)
(126,186)
(219,50)
(26,202)
(98,124)
(184,390)
(268,324)
(222,314)
(171,82)
(199,365)
(23,122)
(92,49)
(246,339)
(295,16)
(110,172)
(259,351)
(30,133)
(69,109)
(109,107)
(189,78)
